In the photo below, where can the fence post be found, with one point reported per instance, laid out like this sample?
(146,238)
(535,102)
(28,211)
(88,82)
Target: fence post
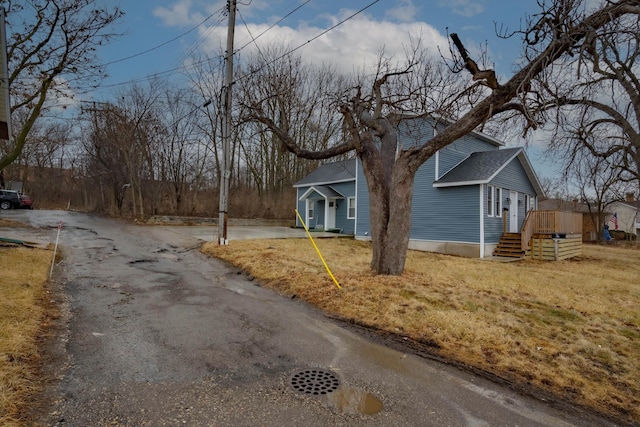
(504,220)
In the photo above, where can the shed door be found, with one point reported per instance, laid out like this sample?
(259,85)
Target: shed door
(513,212)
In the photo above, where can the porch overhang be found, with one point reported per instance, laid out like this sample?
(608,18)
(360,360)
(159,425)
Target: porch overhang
(325,192)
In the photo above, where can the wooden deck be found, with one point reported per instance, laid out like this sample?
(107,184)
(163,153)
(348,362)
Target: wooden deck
(545,235)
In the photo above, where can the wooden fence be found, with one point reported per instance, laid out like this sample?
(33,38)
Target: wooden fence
(550,249)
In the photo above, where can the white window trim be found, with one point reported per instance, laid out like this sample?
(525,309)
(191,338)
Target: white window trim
(494,209)
(437,159)
(490,197)
(311,208)
(351,201)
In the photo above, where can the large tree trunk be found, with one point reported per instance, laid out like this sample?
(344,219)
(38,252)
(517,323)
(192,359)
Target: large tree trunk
(390,180)
(390,226)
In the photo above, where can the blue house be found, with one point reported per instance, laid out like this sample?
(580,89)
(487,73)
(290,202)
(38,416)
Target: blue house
(466,197)
(327,197)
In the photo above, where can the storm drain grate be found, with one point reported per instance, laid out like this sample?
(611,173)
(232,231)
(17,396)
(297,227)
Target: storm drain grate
(315,381)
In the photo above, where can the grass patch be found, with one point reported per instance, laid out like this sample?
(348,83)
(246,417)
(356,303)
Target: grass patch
(569,327)
(22,318)
(9,223)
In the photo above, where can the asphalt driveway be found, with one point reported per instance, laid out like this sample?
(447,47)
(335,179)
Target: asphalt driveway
(154,333)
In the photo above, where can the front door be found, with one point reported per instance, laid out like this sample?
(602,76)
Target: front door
(331,215)
(513,212)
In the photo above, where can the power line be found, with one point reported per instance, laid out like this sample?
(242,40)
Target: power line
(220,57)
(135,55)
(169,71)
(309,41)
(253,39)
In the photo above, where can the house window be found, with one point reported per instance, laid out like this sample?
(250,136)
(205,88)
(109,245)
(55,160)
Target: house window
(351,208)
(494,201)
(490,200)
(310,206)
(528,205)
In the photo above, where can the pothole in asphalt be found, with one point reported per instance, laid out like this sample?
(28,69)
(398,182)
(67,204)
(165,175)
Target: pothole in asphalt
(322,382)
(314,381)
(354,401)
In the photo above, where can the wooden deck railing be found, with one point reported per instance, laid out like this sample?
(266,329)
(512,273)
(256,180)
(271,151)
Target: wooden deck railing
(550,222)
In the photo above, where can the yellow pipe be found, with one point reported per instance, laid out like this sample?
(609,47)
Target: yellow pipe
(317,250)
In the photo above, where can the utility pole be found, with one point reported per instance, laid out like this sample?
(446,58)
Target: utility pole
(226,129)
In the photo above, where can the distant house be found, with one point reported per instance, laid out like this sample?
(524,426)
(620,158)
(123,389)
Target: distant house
(621,216)
(591,221)
(465,196)
(627,215)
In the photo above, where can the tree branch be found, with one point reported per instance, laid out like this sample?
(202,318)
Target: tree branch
(487,76)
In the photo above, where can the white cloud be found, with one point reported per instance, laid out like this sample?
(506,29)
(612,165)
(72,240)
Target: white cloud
(352,45)
(405,12)
(178,15)
(465,8)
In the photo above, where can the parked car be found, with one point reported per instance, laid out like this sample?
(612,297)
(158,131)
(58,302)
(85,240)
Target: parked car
(10,199)
(27,203)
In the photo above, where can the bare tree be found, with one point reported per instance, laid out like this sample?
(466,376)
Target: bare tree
(125,137)
(182,154)
(293,95)
(599,95)
(371,117)
(106,164)
(51,51)
(599,183)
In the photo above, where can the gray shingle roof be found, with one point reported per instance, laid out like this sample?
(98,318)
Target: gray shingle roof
(330,173)
(479,167)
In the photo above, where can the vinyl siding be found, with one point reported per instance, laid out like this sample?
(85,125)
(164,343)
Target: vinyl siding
(363,217)
(414,132)
(445,214)
(493,226)
(439,214)
(347,189)
(449,214)
(300,205)
(451,155)
(512,177)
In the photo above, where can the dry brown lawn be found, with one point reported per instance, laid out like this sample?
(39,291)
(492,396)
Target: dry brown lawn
(22,319)
(571,327)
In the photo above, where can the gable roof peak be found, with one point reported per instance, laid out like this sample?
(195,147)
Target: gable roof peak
(339,171)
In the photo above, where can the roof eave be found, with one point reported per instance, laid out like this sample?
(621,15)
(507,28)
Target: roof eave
(297,185)
(459,183)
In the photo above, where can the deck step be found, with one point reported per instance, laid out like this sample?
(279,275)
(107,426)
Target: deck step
(510,245)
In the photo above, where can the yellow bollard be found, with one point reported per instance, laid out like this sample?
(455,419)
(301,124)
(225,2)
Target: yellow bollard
(318,250)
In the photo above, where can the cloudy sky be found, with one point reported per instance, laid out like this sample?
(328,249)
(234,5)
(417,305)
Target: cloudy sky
(161,35)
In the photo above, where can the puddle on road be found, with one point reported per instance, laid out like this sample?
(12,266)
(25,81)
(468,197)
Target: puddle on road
(354,401)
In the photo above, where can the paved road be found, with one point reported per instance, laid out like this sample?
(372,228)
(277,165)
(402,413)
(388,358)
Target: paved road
(159,335)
